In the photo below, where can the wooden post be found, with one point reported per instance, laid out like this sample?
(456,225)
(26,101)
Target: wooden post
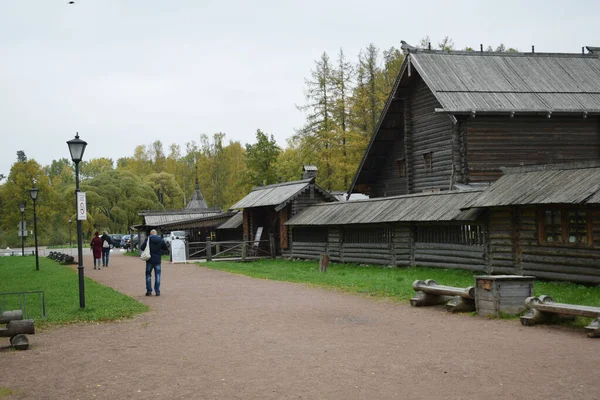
(208,250)
(272,245)
(217,248)
(244,247)
(323,263)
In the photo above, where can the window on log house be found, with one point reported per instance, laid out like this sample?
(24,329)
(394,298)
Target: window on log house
(310,235)
(428,159)
(565,226)
(471,235)
(367,235)
(401,165)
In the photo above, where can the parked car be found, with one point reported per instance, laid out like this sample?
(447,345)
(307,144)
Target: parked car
(116,240)
(126,241)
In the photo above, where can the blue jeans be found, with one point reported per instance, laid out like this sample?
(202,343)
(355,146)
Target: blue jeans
(105,256)
(149,268)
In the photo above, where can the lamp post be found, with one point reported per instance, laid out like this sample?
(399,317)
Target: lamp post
(22,208)
(76,148)
(34,193)
(70,241)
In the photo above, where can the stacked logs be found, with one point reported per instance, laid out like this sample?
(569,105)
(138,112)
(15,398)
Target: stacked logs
(16,329)
(61,257)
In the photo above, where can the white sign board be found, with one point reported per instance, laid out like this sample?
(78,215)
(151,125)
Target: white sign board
(81,206)
(178,251)
(258,235)
(22,228)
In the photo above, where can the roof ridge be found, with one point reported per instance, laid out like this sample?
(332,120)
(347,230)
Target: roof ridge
(587,164)
(503,53)
(405,196)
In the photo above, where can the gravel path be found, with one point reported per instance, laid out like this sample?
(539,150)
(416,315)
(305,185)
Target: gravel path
(215,335)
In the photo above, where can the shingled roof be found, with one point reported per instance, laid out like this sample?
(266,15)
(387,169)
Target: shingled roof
(429,207)
(577,183)
(278,195)
(466,82)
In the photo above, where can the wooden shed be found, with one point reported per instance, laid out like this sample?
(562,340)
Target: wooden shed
(544,221)
(458,117)
(267,208)
(419,229)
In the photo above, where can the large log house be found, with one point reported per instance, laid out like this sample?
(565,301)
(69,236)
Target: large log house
(451,123)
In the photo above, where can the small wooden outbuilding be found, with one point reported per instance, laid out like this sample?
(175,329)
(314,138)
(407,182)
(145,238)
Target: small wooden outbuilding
(266,209)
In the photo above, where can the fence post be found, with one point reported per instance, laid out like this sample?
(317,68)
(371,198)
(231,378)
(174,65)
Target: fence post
(244,247)
(208,250)
(217,248)
(272,244)
(323,262)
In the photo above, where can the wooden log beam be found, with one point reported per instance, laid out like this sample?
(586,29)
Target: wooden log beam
(20,342)
(432,287)
(8,316)
(18,327)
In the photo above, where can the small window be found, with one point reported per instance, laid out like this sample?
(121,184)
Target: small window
(401,165)
(427,158)
(577,226)
(564,226)
(552,226)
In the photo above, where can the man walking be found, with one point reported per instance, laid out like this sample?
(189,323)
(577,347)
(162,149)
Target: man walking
(157,244)
(106,241)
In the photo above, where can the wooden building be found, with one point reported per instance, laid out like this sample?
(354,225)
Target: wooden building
(457,117)
(545,221)
(453,124)
(426,229)
(267,208)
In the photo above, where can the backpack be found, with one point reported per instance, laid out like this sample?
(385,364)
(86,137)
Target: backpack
(105,244)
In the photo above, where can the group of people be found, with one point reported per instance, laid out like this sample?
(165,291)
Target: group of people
(100,246)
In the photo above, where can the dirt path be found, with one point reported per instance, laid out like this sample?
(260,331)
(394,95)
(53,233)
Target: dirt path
(215,335)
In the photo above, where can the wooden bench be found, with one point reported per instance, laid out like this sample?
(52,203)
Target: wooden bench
(544,309)
(16,328)
(431,293)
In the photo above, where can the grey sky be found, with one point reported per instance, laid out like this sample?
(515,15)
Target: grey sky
(129,72)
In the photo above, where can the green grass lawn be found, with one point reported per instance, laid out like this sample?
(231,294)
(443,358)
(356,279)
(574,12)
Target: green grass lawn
(392,283)
(61,288)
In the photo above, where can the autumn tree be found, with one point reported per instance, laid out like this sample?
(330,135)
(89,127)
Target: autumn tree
(260,160)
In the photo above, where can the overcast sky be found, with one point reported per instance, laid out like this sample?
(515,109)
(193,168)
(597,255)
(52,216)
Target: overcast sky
(129,72)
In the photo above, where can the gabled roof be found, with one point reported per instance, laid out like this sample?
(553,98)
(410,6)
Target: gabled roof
(164,217)
(430,207)
(466,82)
(279,195)
(500,83)
(577,183)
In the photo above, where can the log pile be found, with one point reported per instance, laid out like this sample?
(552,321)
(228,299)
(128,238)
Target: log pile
(16,329)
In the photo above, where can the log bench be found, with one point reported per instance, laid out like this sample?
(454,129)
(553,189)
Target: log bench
(430,293)
(545,309)
(16,329)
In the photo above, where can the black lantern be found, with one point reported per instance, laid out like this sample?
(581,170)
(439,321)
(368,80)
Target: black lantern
(77,148)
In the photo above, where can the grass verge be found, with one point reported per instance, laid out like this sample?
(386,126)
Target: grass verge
(61,288)
(5,392)
(393,283)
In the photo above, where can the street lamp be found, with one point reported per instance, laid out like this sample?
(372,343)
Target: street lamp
(34,193)
(77,148)
(70,241)
(22,207)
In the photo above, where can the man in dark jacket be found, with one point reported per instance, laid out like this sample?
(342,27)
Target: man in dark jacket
(157,244)
(106,241)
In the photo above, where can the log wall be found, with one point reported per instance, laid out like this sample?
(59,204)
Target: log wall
(430,132)
(515,248)
(494,142)
(450,256)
